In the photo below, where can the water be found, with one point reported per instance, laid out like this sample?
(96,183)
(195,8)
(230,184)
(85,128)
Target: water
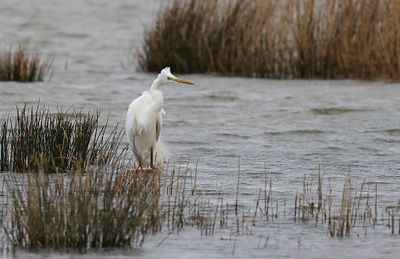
(287,128)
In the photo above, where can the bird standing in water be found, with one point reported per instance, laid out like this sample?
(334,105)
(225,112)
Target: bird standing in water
(144,118)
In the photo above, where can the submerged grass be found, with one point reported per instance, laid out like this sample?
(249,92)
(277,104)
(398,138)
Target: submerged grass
(22,64)
(339,211)
(62,141)
(276,39)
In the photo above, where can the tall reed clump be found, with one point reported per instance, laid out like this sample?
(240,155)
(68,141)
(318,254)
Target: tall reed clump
(23,64)
(61,141)
(276,39)
(96,209)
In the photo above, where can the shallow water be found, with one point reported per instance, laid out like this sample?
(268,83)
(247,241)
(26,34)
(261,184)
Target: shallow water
(287,128)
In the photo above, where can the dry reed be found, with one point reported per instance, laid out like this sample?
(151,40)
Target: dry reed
(276,39)
(94,209)
(23,64)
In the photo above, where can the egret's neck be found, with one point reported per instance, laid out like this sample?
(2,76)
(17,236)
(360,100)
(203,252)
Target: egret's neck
(155,85)
(157,95)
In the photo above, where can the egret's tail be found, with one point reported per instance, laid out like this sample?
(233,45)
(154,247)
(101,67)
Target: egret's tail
(161,152)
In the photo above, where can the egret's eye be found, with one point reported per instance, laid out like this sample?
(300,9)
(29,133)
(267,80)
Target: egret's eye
(169,78)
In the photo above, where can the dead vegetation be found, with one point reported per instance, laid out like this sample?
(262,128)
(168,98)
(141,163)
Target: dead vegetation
(96,208)
(24,64)
(276,39)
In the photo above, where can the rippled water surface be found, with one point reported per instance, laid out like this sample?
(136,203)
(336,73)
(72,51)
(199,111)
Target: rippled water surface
(287,128)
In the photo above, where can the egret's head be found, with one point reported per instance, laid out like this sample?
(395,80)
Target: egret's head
(166,77)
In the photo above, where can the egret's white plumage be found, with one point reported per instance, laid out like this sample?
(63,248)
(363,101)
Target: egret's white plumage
(144,119)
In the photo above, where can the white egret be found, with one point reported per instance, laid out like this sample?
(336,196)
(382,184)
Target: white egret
(144,118)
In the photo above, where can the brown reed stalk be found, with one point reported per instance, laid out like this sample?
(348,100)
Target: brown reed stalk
(342,224)
(237,188)
(269,198)
(256,209)
(4,143)
(295,208)
(319,190)
(376,205)
(265,190)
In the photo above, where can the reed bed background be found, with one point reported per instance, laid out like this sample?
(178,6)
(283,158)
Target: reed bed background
(276,39)
(24,64)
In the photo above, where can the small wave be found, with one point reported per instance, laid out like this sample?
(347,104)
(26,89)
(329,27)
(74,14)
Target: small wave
(335,110)
(178,123)
(207,98)
(75,35)
(369,149)
(394,131)
(186,142)
(203,149)
(233,135)
(387,140)
(295,132)
(7,94)
(334,148)
(229,98)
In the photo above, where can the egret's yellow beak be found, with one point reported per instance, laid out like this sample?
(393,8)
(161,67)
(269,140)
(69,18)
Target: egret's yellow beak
(178,80)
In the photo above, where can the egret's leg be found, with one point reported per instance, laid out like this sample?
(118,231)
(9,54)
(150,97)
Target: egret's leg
(152,158)
(140,163)
(139,159)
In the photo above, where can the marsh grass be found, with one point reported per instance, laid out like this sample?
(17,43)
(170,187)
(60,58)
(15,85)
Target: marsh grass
(276,39)
(102,201)
(91,209)
(92,199)
(36,139)
(24,64)
(339,210)
(118,207)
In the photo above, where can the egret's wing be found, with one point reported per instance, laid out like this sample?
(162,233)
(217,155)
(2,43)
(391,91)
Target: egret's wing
(161,150)
(135,108)
(158,128)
